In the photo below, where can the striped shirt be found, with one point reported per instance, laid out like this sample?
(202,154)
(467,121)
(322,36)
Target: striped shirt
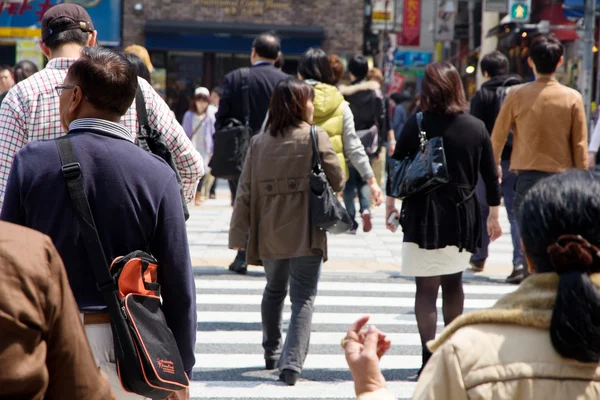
(30,112)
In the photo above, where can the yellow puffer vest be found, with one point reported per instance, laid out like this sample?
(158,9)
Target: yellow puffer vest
(329,115)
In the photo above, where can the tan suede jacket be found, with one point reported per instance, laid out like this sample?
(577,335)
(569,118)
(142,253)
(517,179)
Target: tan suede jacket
(44,353)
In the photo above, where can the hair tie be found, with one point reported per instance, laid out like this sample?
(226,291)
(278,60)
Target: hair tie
(573,253)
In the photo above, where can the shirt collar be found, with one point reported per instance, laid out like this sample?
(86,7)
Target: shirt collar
(256,64)
(60,63)
(110,128)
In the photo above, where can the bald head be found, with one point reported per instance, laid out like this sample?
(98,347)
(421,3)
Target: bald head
(267,46)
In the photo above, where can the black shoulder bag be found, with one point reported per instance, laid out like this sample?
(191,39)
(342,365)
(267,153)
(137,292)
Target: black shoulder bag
(326,211)
(422,172)
(152,141)
(231,140)
(148,359)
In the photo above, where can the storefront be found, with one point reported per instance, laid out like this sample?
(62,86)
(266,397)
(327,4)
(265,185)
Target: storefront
(195,43)
(20,26)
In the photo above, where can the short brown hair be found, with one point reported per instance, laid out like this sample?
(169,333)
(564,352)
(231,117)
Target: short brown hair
(193,107)
(442,91)
(376,75)
(106,78)
(288,105)
(337,65)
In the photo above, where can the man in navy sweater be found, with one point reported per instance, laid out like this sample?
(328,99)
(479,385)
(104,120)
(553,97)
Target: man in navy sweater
(133,195)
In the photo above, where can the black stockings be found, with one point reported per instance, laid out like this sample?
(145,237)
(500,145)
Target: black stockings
(425,302)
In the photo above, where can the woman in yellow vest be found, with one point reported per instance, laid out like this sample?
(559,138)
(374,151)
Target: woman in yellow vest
(333,114)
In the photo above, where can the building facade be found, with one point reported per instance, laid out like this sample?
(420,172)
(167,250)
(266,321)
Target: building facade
(196,42)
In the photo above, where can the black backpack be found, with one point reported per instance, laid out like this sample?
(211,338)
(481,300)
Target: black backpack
(152,141)
(501,92)
(231,140)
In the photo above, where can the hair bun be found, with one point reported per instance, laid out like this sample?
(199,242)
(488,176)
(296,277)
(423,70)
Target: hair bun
(572,253)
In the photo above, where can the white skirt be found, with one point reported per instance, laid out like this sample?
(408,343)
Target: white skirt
(421,262)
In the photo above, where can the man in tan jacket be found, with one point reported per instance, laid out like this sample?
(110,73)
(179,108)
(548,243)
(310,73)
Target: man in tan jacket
(548,121)
(45,353)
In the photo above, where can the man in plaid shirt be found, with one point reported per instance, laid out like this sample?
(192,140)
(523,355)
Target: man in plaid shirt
(30,110)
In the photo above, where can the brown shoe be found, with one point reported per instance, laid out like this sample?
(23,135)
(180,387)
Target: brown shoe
(477,266)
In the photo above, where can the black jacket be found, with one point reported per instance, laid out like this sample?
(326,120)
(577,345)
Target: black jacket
(262,79)
(367,105)
(449,215)
(484,104)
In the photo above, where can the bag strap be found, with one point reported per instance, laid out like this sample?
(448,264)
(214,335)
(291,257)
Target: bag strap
(71,170)
(422,133)
(140,108)
(246,95)
(316,158)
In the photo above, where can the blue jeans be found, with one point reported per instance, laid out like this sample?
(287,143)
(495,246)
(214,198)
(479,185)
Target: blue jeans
(509,180)
(356,184)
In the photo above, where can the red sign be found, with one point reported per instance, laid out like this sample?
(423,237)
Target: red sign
(396,84)
(411,26)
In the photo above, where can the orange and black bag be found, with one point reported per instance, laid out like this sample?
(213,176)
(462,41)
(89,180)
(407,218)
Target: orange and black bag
(148,360)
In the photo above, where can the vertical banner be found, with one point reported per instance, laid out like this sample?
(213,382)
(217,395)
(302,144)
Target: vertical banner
(382,16)
(444,20)
(411,26)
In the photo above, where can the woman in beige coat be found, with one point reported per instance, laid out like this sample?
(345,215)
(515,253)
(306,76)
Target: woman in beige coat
(540,342)
(272,206)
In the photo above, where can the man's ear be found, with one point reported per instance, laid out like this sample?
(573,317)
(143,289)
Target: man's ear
(75,100)
(44,48)
(93,39)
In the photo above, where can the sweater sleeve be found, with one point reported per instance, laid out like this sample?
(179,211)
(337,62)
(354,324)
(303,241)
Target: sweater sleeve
(408,141)
(489,171)
(170,247)
(353,147)
(12,209)
(579,135)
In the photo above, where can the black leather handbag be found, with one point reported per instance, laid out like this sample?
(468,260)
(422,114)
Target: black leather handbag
(422,172)
(326,211)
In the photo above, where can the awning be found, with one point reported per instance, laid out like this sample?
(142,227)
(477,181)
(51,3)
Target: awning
(556,15)
(574,8)
(227,37)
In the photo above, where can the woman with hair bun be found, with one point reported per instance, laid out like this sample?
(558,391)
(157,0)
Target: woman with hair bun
(541,341)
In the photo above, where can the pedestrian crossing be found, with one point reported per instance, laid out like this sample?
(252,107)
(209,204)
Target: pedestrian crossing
(229,355)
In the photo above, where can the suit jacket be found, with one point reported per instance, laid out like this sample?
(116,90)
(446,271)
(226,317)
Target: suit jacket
(262,79)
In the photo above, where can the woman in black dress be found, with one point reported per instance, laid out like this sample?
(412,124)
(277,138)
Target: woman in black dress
(443,227)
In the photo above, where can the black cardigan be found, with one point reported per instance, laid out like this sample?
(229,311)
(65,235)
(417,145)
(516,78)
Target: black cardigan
(449,215)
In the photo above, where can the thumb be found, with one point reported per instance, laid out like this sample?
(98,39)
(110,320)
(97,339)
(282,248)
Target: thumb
(371,340)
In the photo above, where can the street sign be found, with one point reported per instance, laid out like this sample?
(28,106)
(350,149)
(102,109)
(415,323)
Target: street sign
(444,20)
(519,10)
(499,6)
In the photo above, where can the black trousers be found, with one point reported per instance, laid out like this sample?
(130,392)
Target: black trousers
(526,180)
(233,183)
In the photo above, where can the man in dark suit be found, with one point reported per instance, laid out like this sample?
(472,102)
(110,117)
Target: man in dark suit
(262,78)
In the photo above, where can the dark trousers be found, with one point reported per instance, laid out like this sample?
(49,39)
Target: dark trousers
(509,180)
(356,184)
(241,255)
(525,181)
(302,276)
(213,188)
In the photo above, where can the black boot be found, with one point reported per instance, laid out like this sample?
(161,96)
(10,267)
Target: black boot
(288,376)
(426,355)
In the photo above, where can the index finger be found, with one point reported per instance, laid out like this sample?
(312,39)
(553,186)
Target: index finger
(358,325)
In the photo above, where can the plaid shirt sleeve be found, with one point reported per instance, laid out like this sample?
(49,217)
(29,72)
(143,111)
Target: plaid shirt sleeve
(188,161)
(13,135)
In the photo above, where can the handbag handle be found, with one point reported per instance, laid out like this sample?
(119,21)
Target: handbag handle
(422,133)
(316,158)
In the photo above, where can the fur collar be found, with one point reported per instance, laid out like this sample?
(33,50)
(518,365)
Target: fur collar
(530,305)
(364,85)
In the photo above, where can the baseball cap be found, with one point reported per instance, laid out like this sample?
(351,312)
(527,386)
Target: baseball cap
(81,19)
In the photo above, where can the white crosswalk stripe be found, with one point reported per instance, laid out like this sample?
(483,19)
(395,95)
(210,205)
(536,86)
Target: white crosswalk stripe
(229,358)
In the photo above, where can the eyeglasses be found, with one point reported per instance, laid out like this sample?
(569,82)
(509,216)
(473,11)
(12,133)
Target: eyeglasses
(60,88)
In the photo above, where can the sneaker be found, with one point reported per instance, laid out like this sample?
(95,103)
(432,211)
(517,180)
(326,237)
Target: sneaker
(351,231)
(366,217)
(517,275)
(477,265)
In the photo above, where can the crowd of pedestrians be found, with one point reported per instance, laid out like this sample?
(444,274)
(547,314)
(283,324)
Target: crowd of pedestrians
(92,118)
